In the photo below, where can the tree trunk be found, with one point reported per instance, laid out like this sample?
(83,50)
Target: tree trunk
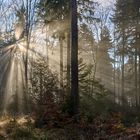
(68,63)
(139,69)
(74,60)
(122,66)
(28,8)
(136,84)
(61,63)
(114,76)
(47,49)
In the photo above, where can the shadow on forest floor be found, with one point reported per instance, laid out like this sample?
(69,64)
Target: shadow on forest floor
(23,128)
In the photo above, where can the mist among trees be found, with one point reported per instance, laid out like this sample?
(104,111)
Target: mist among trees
(69,69)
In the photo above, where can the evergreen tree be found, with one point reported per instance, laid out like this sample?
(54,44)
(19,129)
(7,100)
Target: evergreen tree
(104,66)
(126,20)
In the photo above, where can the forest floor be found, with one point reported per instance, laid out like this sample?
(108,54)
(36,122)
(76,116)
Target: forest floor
(23,128)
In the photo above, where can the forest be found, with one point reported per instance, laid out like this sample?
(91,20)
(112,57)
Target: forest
(69,69)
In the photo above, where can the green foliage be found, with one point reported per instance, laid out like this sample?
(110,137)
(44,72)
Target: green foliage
(44,83)
(87,11)
(93,101)
(91,108)
(50,10)
(66,106)
(15,130)
(23,134)
(93,95)
(84,76)
(88,86)
(26,134)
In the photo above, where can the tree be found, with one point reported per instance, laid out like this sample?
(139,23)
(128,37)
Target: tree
(56,15)
(43,89)
(29,18)
(74,59)
(127,40)
(121,24)
(59,11)
(104,66)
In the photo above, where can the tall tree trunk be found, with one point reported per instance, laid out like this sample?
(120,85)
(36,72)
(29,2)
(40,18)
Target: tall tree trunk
(119,80)
(28,8)
(137,69)
(138,37)
(137,52)
(68,63)
(139,66)
(47,49)
(74,60)
(61,62)
(27,43)
(122,66)
(122,78)
(114,74)
(41,88)
(136,74)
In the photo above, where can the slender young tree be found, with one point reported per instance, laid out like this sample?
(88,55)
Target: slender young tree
(68,62)
(61,38)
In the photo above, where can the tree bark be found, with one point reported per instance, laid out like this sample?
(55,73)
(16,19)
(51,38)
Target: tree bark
(61,63)
(68,63)
(122,66)
(74,60)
